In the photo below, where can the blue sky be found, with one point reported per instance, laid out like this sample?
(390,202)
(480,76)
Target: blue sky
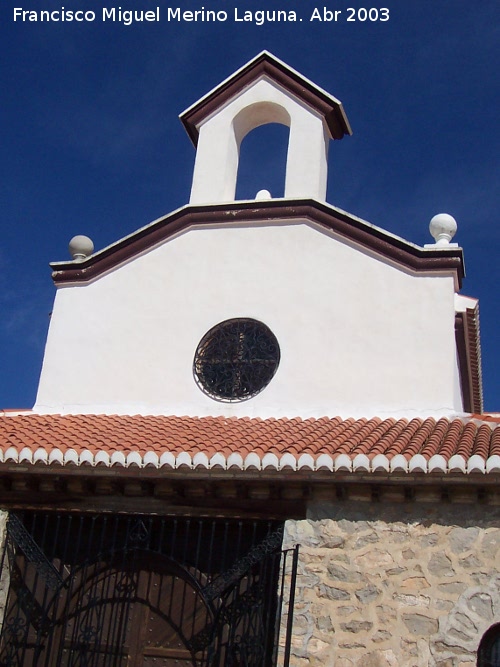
(91,143)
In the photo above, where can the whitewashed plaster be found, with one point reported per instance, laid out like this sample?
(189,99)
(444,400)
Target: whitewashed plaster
(220,137)
(457,382)
(358,336)
(464,303)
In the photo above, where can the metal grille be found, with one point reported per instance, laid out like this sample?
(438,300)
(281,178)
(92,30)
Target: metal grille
(236,359)
(123,591)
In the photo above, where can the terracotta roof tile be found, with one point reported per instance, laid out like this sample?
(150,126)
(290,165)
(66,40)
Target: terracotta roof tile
(495,443)
(108,439)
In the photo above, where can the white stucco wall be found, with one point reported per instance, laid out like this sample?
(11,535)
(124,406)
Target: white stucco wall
(358,337)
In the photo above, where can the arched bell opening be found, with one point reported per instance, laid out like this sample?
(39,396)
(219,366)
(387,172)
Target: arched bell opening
(262,161)
(262,133)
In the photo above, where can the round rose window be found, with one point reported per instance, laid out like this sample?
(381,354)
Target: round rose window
(236,359)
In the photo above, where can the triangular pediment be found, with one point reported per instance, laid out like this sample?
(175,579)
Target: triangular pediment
(354,230)
(267,65)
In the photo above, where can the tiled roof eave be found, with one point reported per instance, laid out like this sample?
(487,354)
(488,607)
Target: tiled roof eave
(288,465)
(243,446)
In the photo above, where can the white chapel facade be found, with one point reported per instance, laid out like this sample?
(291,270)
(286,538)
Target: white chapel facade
(277,364)
(363,319)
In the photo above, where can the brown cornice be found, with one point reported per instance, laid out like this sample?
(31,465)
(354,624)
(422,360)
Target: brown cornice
(351,228)
(469,359)
(266,64)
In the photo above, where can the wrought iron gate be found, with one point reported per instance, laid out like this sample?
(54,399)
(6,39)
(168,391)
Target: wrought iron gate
(137,591)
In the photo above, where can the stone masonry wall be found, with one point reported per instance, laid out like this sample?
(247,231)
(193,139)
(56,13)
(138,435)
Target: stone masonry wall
(403,585)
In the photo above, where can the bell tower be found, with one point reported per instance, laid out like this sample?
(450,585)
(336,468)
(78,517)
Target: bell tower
(264,91)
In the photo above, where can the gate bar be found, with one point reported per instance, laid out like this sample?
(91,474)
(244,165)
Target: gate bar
(291,603)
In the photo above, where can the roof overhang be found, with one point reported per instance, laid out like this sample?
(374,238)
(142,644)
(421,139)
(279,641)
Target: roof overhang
(243,467)
(222,446)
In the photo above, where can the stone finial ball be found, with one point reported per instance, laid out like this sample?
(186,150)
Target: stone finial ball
(81,247)
(443,228)
(262,195)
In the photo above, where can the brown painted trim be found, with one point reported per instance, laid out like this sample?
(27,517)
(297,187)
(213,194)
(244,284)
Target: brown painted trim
(332,111)
(474,345)
(463,365)
(355,230)
(469,359)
